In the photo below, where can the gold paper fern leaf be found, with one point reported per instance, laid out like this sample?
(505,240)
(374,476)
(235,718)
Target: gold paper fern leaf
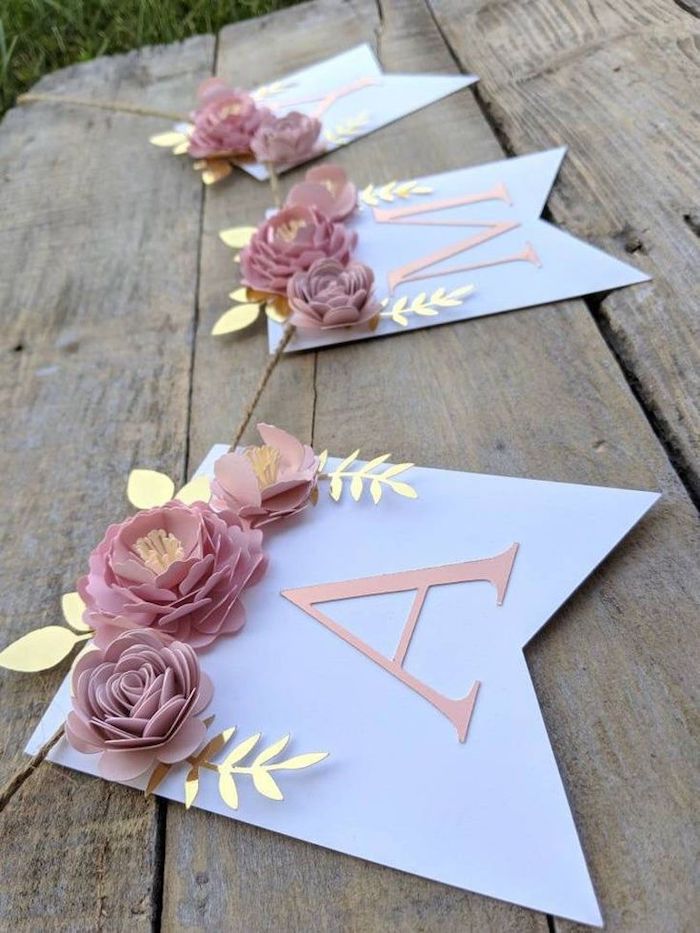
(424,306)
(369,474)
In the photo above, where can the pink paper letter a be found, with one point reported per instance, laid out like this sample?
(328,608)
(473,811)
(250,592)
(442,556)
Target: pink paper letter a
(495,570)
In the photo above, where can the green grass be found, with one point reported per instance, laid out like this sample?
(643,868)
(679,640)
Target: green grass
(38,36)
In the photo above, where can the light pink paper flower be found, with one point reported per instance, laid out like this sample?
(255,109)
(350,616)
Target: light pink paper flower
(178,569)
(325,187)
(225,122)
(287,140)
(262,484)
(332,295)
(291,241)
(136,703)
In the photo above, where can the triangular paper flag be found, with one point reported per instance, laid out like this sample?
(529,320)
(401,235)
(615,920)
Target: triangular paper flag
(465,244)
(407,784)
(352,97)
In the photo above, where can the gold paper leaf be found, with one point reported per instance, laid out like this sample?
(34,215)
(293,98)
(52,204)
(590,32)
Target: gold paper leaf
(197,490)
(237,238)
(274,314)
(182,148)
(214,170)
(298,762)
(368,196)
(147,489)
(336,487)
(240,294)
(403,489)
(73,607)
(375,491)
(168,140)
(157,775)
(269,753)
(191,787)
(344,464)
(228,789)
(39,650)
(214,746)
(240,751)
(370,465)
(396,469)
(356,487)
(265,784)
(322,458)
(235,319)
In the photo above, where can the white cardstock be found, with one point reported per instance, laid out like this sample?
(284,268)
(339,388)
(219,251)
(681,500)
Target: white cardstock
(495,238)
(489,814)
(352,97)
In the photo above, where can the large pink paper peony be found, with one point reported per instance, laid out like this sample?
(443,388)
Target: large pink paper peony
(325,187)
(178,569)
(225,122)
(290,242)
(287,140)
(262,484)
(136,703)
(332,295)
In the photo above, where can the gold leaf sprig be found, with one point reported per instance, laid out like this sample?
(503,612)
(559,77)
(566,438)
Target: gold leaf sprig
(342,133)
(272,90)
(46,647)
(259,769)
(373,194)
(424,306)
(369,474)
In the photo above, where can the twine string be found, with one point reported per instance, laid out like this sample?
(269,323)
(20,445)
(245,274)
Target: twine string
(96,103)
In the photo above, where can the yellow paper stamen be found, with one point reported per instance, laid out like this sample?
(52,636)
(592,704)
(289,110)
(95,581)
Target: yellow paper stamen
(289,230)
(265,462)
(158,550)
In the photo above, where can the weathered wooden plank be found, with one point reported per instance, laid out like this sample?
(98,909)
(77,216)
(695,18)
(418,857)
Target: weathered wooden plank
(537,393)
(232,876)
(99,244)
(617,83)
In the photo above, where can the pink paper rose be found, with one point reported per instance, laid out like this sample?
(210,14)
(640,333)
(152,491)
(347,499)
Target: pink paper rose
(325,187)
(225,122)
(136,703)
(178,569)
(262,484)
(286,140)
(332,295)
(291,241)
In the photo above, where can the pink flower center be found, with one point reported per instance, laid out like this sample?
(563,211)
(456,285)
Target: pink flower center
(288,231)
(266,464)
(230,110)
(158,550)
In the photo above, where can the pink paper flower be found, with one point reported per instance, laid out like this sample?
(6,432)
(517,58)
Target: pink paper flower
(262,484)
(287,140)
(291,241)
(332,295)
(136,703)
(225,122)
(178,569)
(325,187)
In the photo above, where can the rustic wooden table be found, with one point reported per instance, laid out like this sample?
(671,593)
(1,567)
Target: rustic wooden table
(112,276)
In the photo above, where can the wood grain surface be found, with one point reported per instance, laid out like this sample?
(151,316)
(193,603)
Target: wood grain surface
(618,83)
(117,276)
